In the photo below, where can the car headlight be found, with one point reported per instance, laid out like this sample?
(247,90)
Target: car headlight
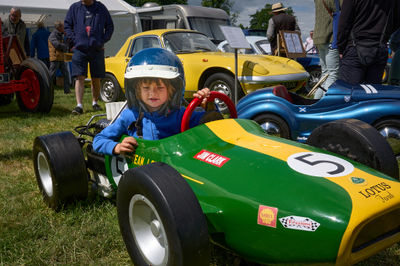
(250,68)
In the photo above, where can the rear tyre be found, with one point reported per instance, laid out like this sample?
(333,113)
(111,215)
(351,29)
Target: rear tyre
(358,141)
(110,90)
(160,219)
(273,125)
(60,169)
(39,94)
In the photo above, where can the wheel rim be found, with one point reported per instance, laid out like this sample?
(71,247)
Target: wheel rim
(221,87)
(148,231)
(314,78)
(45,174)
(31,95)
(392,135)
(107,90)
(271,128)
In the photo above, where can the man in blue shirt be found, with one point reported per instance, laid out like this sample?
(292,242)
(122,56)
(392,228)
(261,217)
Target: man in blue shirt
(88,25)
(39,44)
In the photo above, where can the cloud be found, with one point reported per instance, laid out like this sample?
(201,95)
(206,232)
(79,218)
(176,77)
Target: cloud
(303,10)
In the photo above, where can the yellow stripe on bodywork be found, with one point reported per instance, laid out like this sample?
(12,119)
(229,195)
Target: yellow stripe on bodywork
(231,132)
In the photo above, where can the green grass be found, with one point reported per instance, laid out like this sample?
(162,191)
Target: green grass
(83,234)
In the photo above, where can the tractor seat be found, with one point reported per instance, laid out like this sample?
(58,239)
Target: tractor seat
(282,92)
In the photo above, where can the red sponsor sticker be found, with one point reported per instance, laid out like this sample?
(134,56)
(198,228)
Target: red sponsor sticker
(211,158)
(267,216)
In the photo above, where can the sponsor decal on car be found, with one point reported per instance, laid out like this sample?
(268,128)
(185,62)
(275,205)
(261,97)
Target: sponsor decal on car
(302,109)
(267,216)
(358,181)
(347,98)
(118,167)
(211,158)
(379,191)
(299,223)
(369,88)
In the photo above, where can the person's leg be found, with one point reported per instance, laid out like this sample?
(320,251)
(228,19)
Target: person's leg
(53,69)
(79,89)
(332,65)
(374,73)
(323,51)
(65,77)
(350,69)
(97,71)
(79,70)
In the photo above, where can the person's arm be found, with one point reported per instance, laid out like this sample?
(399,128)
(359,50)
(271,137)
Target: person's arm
(108,28)
(271,30)
(346,21)
(58,45)
(69,26)
(26,44)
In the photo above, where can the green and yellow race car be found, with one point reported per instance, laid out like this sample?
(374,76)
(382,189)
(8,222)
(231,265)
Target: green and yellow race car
(267,199)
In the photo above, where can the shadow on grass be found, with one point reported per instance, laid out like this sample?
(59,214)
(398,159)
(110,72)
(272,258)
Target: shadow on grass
(16,154)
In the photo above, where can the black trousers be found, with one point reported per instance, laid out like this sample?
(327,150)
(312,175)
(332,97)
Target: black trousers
(352,71)
(54,65)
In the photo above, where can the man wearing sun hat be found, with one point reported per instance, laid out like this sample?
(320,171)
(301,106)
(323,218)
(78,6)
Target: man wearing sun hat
(280,21)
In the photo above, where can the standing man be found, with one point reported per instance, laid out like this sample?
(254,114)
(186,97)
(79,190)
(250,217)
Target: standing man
(14,25)
(88,25)
(279,21)
(57,47)
(39,44)
(364,30)
(309,46)
(323,38)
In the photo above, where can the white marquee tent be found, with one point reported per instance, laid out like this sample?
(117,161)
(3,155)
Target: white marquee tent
(125,18)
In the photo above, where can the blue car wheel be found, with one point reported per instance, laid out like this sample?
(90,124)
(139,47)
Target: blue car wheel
(390,130)
(273,125)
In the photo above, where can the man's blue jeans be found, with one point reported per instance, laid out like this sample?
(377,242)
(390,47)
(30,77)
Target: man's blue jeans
(329,60)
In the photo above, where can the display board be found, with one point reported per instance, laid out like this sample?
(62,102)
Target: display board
(292,44)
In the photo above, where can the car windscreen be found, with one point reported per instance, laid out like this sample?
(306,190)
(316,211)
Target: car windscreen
(209,27)
(264,46)
(188,42)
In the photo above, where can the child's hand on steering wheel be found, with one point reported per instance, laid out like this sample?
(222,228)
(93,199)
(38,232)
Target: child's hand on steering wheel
(202,94)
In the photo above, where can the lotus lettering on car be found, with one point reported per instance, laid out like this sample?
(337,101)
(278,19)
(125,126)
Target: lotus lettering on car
(375,191)
(299,223)
(211,158)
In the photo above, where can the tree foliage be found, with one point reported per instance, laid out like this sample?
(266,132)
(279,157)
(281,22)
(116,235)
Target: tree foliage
(224,5)
(139,3)
(259,20)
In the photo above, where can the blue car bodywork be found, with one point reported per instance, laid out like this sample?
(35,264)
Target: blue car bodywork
(377,105)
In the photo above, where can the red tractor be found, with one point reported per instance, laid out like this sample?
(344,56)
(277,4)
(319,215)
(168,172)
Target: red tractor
(28,78)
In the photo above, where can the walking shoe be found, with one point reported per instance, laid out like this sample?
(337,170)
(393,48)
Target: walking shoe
(77,111)
(67,91)
(96,107)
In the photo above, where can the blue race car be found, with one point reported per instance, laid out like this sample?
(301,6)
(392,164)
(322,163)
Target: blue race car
(292,116)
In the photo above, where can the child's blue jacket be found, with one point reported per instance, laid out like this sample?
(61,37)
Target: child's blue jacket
(155,126)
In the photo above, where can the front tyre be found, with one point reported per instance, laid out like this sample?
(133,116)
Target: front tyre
(390,130)
(160,219)
(358,141)
(60,169)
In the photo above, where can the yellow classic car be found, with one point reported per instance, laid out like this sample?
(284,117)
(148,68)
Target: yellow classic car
(204,65)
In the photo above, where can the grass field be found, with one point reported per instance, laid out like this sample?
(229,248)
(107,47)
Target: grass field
(84,234)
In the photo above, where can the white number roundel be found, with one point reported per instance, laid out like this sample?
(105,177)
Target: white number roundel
(319,164)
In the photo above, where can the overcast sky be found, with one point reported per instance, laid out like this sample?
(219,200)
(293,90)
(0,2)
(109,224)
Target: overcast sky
(304,11)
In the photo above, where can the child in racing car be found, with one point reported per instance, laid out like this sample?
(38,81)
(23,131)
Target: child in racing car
(154,83)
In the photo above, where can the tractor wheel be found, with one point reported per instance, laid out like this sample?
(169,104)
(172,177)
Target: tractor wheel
(358,141)
(60,169)
(110,90)
(160,218)
(39,95)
